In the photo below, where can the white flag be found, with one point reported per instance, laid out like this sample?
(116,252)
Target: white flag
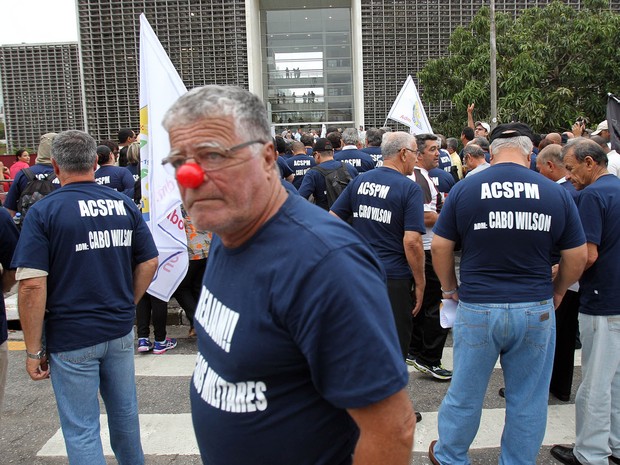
(323,130)
(408,109)
(160,87)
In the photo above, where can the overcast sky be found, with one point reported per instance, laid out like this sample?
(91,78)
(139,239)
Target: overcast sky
(37,21)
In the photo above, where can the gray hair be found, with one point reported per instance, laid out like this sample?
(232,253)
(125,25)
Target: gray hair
(393,142)
(74,151)
(374,137)
(521,143)
(350,136)
(552,152)
(247,111)
(581,148)
(481,142)
(452,142)
(473,150)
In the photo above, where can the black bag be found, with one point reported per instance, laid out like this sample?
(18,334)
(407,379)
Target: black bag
(335,181)
(34,191)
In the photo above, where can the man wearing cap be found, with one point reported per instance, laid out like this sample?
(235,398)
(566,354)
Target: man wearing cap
(306,368)
(314,182)
(41,170)
(602,130)
(481,128)
(506,295)
(597,417)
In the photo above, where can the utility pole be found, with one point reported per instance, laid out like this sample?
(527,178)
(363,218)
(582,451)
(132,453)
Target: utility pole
(493,67)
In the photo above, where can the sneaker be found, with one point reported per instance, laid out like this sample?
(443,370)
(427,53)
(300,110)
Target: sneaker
(144,345)
(410,360)
(161,347)
(437,372)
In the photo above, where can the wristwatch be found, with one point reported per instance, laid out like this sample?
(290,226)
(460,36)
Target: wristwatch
(38,356)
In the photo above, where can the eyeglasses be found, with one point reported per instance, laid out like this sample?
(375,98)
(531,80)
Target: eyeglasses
(210,156)
(409,150)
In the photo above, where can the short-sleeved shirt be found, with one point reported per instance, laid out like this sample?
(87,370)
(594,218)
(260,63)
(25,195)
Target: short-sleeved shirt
(8,241)
(300,164)
(21,181)
(375,154)
(116,177)
(359,160)
(314,182)
(508,220)
(445,161)
(88,238)
(442,179)
(383,204)
(280,357)
(285,171)
(599,209)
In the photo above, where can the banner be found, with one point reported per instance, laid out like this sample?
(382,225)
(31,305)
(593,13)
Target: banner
(613,121)
(160,87)
(408,110)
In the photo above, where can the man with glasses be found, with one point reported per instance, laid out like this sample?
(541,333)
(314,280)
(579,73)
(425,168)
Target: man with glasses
(287,293)
(388,210)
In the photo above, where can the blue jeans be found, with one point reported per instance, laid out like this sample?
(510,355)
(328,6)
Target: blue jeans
(522,335)
(77,377)
(597,403)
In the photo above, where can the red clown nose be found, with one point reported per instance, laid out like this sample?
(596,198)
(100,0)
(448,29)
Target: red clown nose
(190,175)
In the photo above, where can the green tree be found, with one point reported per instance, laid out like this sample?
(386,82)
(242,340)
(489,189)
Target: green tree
(554,63)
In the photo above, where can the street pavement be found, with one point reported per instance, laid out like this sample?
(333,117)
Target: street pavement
(30,431)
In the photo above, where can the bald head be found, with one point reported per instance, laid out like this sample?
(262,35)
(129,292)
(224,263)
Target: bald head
(298,148)
(554,138)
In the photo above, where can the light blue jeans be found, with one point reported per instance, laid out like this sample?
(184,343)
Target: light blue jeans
(77,377)
(598,398)
(522,335)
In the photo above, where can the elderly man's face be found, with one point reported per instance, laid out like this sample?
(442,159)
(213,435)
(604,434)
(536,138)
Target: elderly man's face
(578,173)
(228,199)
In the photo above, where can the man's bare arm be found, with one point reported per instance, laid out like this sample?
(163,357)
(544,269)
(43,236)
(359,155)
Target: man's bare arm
(414,251)
(142,277)
(470,116)
(31,300)
(442,250)
(572,264)
(386,431)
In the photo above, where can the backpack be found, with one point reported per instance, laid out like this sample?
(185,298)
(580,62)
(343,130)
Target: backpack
(335,181)
(34,191)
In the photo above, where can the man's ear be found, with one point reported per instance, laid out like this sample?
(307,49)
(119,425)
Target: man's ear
(55,166)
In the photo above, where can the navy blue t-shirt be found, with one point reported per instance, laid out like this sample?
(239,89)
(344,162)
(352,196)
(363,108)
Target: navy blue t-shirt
(88,238)
(21,181)
(383,204)
(359,160)
(134,170)
(375,154)
(314,183)
(118,178)
(599,209)
(445,161)
(294,327)
(285,171)
(442,179)
(8,241)
(300,164)
(508,220)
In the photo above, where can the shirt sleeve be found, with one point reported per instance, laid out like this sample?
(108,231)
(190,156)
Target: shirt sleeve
(33,247)
(414,210)
(591,214)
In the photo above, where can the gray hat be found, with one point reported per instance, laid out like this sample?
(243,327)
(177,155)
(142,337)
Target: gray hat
(44,151)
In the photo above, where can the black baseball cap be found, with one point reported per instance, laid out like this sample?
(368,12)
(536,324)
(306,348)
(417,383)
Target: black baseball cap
(322,145)
(508,130)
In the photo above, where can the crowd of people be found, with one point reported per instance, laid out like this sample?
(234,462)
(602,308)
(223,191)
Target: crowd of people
(307,315)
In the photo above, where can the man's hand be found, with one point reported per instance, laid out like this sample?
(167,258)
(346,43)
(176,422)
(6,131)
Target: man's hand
(38,369)
(470,108)
(419,296)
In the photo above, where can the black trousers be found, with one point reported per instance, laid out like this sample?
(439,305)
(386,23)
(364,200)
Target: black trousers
(188,292)
(153,308)
(428,337)
(401,299)
(566,324)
